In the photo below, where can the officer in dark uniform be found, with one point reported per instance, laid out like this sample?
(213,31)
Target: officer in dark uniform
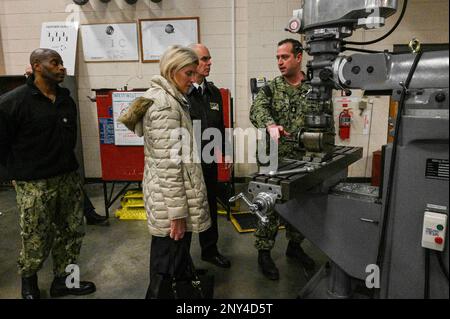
(206,107)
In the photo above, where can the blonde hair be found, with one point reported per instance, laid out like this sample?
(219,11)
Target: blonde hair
(174,59)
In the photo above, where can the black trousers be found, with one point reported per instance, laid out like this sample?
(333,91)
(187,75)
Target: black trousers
(167,258)
(208,239)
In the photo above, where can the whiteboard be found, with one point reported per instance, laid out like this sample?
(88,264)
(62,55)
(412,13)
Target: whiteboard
(61,37)
(156,35)
(110,42)
(120,103)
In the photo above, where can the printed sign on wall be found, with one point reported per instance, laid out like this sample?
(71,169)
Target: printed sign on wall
(122,135)
(110,42)
(156,35)
(61,37)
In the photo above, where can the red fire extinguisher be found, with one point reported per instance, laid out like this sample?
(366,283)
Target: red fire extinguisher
(345,119)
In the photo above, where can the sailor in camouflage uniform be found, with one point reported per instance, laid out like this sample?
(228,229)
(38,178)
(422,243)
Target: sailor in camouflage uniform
(282,112)
(38,132)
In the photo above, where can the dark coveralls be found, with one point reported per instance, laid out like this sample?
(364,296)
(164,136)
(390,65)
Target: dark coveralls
(207,108)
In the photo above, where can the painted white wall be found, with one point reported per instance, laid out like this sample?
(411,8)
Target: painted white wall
(259,26)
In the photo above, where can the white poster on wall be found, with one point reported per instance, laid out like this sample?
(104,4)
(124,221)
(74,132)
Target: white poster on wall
(110,42)
(61,37)
(158,34)
(120,103)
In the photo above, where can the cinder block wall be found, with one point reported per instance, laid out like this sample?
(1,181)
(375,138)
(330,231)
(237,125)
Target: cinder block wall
(259,25)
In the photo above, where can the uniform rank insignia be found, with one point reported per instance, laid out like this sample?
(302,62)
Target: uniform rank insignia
(214,106)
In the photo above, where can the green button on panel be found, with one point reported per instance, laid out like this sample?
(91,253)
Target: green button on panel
(440,227)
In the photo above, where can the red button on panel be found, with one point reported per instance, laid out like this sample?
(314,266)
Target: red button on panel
(438,240)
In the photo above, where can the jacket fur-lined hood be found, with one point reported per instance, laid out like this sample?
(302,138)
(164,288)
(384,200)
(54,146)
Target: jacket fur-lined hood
(132,119)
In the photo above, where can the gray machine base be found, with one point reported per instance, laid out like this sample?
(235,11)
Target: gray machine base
(318,287)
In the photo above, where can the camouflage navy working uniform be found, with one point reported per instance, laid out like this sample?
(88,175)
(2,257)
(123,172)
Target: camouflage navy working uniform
(37,141)
(51,219)
(288,109)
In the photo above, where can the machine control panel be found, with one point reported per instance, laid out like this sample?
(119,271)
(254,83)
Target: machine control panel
(434,230)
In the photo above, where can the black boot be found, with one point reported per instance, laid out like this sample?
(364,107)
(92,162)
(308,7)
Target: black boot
(92,218)
(267,265)
(156,289)
(59,288)
(218,260)
(294,250)
(30,289)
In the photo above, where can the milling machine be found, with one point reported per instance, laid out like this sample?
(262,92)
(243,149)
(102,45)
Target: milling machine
(386,242)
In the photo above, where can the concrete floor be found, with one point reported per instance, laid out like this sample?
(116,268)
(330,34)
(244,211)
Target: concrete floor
(116,258)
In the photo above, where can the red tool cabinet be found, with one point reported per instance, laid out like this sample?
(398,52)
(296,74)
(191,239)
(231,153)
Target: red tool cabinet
(119,163)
